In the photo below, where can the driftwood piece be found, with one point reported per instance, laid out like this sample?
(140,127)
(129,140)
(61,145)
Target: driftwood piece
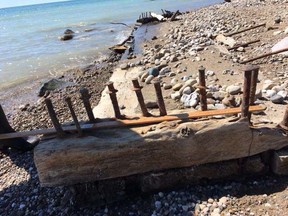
(123,152)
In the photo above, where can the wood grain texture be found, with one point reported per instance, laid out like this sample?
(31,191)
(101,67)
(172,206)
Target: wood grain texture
(122,152)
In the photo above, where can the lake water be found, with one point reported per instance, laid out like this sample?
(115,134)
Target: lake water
(29,35)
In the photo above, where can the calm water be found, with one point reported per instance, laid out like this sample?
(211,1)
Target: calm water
(30,47)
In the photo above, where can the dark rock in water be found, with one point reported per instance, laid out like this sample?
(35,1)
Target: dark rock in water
(154,38)
(153,71)
(66,37)
(51,85)
(68,31)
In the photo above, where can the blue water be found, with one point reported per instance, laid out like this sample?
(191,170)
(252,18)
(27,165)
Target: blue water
(29,35)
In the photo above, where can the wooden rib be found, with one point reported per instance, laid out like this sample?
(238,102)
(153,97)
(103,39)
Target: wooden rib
(133,122)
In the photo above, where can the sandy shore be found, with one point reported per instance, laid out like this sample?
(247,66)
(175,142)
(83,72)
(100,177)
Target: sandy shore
(186,45)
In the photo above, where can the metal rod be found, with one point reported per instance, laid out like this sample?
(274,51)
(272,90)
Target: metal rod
(85,96)
(202,83)
(60,132)
(244,44)
(246,93)
(244,30)
(112,92)
(264,55)
(137,89)
(160,99)
(254,80)
(76,122)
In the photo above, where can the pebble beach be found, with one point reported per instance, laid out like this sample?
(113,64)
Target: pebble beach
(173,55)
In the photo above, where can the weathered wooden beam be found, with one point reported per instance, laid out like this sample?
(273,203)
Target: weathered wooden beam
(127,151)
(133,122)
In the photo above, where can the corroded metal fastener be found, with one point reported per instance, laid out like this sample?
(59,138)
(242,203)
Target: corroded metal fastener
(54,119)
(76,122)
(85,96)
(160,99)
(254,79)
(202,83)
(246,92)
(112,92)
(137,88)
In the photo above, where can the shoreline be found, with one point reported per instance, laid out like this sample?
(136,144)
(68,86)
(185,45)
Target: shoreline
(224,70)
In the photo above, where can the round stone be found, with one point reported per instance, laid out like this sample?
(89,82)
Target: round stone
(153,71)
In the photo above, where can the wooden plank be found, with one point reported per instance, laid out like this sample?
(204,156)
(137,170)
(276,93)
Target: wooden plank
(121,152)
(133,122)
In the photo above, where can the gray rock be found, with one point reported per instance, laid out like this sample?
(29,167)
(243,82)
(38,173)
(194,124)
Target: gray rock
(277,99)
(124,66)
(233,89)
(51,85)
(167,86)
(165,70)
(153,71)
(229,101)
(66,37)
(218,95)
(171,74)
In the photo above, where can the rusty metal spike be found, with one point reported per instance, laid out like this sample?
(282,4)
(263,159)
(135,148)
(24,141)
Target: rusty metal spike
(137,88)
(54,118)
(76,122)
(160,99)
(246,92)
(112,92)
(85,96)
(202,83)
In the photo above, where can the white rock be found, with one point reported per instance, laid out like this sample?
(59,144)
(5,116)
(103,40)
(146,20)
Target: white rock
(220,106)
(149,79)
(233,89)
(281,45)
(210,73)
(174,81)
(283,93)
(187,90)
(270,93)
(190,100)
(176,95)
(144,76)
